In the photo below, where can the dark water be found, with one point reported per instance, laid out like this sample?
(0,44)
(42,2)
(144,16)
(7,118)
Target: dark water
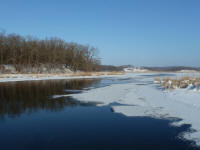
(159,75)
(31,119)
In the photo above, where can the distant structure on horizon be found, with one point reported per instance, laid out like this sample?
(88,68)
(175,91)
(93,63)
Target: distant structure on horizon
(135,69)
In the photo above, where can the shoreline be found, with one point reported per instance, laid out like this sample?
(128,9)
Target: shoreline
(59,76)
(37,77)
(77,75)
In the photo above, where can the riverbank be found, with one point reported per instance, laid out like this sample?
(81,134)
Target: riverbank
(74,75)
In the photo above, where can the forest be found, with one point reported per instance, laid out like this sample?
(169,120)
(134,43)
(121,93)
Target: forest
(29,51)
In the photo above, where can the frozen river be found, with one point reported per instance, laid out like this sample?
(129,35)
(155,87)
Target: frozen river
(127,112)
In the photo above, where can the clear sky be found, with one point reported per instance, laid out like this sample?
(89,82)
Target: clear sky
(137,32)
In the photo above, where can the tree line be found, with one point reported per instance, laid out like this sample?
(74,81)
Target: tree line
(32,52)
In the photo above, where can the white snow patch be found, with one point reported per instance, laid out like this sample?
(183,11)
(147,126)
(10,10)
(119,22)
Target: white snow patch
(58,96)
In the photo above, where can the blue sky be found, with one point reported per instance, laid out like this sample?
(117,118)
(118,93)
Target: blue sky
(137,32)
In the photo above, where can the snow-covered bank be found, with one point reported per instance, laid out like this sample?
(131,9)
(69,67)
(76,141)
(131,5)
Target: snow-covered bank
(32,77)
(184,82)
(140,99)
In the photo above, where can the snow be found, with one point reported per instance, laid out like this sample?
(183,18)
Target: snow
(21,77)
(188,71)
(136,70)
(58,96)
(147,100)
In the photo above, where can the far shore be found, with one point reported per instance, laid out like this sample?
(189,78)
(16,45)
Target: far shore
(9,77)
(54,76)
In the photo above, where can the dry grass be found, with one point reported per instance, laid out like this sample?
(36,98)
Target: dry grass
(184,82)
(80,74)
(115,73)
(96,73)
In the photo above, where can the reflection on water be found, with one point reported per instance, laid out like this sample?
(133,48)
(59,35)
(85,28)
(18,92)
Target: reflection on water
(30,96)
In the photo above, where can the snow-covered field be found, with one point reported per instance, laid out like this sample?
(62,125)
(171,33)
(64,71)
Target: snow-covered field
(144,98)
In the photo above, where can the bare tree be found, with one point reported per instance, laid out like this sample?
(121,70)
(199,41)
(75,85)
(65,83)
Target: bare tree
(28,51)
